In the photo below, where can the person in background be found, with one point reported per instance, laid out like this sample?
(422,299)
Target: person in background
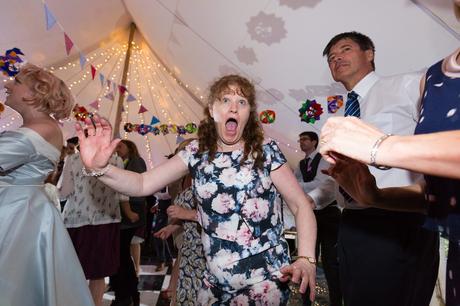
(92,218)
(124,282)
(38,264)
(236,179)
(386,257)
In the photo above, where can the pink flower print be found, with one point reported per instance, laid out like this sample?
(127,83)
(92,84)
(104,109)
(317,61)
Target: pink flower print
(205,191)
(255,209)
(222,161)
(227,230)
(223,203)
(243,177)
(244,235)
(227,177)
(240,300)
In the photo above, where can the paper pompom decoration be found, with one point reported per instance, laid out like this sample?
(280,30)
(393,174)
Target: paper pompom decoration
(9,62)
(310,111)
(267,116)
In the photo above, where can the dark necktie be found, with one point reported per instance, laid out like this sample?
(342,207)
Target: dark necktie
(352,105)
(307,162)
(351,109)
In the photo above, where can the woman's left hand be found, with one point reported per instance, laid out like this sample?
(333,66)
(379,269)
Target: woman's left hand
(301,272)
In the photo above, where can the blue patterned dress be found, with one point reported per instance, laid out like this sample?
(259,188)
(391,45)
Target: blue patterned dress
(441,112)
(241,227)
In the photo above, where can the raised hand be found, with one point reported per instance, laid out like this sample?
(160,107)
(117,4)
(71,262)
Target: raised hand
(97,146)
(348,136)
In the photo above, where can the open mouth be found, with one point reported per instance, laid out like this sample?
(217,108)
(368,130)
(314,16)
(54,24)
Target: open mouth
(231,125)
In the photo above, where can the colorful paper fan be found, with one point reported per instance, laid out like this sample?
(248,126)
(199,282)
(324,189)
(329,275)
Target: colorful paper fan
(310,111)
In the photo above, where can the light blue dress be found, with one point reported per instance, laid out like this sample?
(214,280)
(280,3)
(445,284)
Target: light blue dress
(38,263)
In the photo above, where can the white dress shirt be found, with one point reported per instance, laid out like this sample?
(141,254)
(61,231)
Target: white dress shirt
(391,104)
(321,196)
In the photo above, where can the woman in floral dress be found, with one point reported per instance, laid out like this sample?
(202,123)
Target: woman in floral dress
(236,179)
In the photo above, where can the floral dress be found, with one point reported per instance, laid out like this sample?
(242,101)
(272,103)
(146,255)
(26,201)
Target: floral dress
(241,227)
(192,262)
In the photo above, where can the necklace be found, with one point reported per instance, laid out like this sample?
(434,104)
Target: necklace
(232,147)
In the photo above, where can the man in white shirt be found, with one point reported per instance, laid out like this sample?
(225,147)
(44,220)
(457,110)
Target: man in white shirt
(386,257)
(309,175)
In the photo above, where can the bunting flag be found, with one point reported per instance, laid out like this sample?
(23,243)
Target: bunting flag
(68,43)
(93,71)
(109,83)
(94,104)
(142,109)
(122,89)
(110,96)
(179,139)
(82,60)
(50,19)
(130,98)
(154,120)
(101,78)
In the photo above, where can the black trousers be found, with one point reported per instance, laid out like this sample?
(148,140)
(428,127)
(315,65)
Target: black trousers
(327,220)
(386,258)
(124,283)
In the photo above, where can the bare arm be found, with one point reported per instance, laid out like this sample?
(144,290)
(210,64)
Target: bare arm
(360,184)
(98,146)
(287,185)
(434,153)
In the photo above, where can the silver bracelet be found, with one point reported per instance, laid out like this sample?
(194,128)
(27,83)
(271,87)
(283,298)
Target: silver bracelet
(374,151)
(95,173)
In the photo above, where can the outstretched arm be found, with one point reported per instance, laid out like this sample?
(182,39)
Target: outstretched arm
(98,146)
(434,153)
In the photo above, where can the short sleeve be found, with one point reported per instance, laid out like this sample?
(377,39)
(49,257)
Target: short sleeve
(188,155)
(16,150)
(274,156)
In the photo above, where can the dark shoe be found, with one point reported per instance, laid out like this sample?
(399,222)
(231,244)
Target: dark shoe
(136,299)
(124,302)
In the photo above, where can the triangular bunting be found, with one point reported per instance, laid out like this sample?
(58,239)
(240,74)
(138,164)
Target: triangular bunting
(142,109)
(179,139)
(101,78)
(130,98)
(50,19)
(154,120)
(122,89)
(94,104)
(110,96)
(82,60)
(93,71)
(68,44)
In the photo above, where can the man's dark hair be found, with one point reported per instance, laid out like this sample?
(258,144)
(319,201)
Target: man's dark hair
(364,42)
(312,135)
(73,140)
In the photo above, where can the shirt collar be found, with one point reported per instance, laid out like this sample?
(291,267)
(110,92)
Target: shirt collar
(366,83)
(312,155)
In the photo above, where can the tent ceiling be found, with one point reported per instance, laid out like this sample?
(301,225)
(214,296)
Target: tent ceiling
(276,43)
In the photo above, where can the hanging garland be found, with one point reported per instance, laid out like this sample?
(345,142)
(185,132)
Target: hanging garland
(267,116)
(310,111)
(163,129)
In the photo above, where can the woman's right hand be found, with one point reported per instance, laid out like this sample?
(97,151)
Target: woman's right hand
(97,147)
(166,231)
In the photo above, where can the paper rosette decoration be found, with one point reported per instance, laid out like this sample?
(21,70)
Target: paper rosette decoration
(334,103)
(9,62)
(310,111)
(267,116)
(80,113)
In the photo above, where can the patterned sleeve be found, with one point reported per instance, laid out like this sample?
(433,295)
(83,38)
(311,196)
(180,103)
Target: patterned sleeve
(16,150)
(188,155)
(274,156)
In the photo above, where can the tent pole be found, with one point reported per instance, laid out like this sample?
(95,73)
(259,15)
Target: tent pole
(116,127)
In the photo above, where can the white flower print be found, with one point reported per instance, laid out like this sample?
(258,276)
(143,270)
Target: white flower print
(236,154)
(240,300)
(238,281)
(209,168)
(244,235)
(224,259)
(227,230)
(266,182)
(243,177)
(255,209)
(227,177)
(205,191)
(222,161)
(223,203)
